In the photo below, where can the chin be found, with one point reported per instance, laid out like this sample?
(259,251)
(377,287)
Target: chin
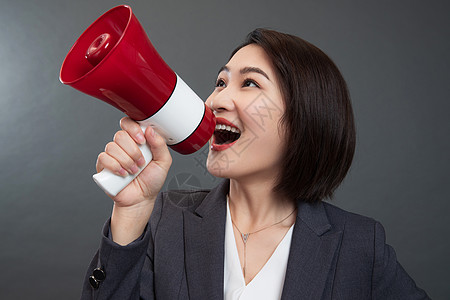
(215,168)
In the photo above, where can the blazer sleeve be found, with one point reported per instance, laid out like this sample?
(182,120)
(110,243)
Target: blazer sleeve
(128,270)
(390,280)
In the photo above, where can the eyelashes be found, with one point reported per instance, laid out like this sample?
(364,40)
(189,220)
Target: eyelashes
(220,83)
(247,82)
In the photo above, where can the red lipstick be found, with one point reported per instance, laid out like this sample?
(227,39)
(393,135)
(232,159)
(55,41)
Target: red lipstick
(221,147)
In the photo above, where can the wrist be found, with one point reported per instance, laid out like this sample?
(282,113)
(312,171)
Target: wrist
(134,210)
(128,223)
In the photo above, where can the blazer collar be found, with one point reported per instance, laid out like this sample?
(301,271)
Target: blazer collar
(216,198)
(314,217)
(312,256)
(204,238)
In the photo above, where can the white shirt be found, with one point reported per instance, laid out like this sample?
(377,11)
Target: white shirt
(268,283)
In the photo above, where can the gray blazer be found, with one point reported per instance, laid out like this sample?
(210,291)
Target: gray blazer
(334,255)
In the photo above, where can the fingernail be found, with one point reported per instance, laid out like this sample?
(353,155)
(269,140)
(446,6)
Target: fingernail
(123,172)
(140,137)
(134,169)
(141,162)
(153,132)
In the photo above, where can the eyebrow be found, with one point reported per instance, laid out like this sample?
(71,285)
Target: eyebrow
(246,70)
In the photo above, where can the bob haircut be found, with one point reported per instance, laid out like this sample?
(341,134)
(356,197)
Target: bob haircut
(318,119)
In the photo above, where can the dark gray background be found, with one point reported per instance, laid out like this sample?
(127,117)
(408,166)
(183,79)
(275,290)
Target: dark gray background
(393,54)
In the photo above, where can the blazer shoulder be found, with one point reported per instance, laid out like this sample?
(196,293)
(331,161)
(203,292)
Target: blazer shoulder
(352,224)
(364,256)
(339,216)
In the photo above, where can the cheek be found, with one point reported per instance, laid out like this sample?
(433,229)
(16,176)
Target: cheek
(263,112)
(273,140)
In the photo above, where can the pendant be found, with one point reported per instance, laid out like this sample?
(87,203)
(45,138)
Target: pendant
(245,237)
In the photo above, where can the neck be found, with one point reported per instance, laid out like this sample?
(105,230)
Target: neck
(255,204)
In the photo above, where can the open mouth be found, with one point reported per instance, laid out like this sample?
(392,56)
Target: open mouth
(225,134)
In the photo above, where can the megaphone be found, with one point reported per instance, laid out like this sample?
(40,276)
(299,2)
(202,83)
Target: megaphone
(114,61)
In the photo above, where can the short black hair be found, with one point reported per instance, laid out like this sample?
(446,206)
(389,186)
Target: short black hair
(318,119)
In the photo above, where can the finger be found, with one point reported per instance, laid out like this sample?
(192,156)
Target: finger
(125,161)
(133,129)
(160,151)
(105,161)
(124,140)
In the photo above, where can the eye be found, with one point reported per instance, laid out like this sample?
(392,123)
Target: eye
(250,83)
(220,83)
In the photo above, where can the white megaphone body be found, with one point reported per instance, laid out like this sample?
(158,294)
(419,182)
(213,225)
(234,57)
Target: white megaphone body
(114,61)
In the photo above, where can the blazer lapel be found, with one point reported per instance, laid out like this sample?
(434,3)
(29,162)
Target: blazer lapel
(204,235)
(312,256)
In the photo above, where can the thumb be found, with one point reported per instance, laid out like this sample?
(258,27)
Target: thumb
(158,147)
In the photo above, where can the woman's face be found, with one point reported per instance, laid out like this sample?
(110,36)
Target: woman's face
(247,102)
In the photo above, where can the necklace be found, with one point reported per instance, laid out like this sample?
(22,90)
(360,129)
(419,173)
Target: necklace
(245,236)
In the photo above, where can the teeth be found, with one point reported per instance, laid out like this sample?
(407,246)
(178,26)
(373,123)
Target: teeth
(228,128)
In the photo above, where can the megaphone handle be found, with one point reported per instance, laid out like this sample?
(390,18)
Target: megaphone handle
(112,183)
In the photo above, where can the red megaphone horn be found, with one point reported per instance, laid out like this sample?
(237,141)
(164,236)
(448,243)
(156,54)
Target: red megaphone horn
(114,61)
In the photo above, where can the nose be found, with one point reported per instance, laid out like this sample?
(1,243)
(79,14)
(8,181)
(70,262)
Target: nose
(220,101)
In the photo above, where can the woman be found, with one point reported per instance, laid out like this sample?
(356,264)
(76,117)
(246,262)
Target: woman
(284,141)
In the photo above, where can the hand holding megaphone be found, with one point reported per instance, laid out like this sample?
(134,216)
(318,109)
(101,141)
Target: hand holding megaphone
(114,61)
